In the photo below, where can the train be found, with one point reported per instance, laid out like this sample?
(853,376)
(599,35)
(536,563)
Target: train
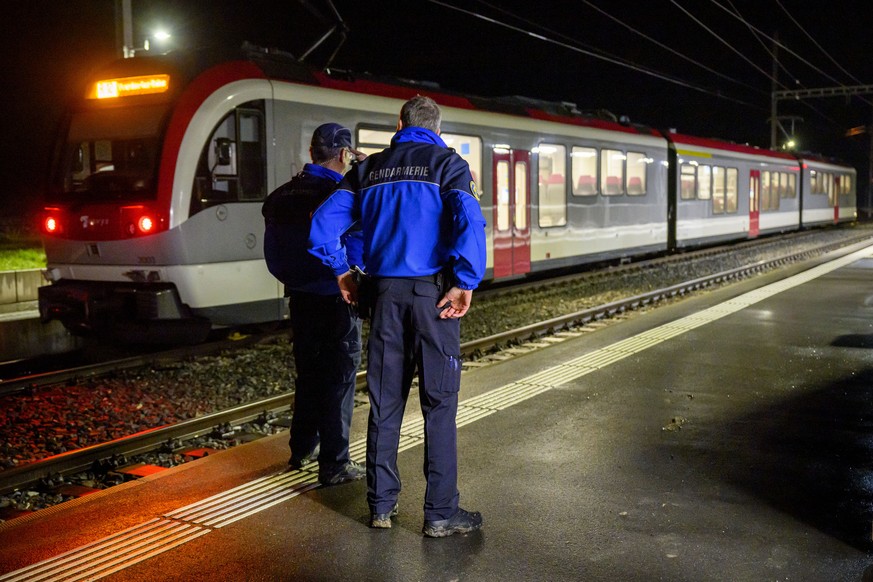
(152,223)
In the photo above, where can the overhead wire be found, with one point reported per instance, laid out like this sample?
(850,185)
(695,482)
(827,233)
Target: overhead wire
(809,36)
(595,53)
(757,36)
(791,52)
(667,48)
(721,40)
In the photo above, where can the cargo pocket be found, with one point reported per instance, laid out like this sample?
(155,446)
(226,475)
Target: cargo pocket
(451,381)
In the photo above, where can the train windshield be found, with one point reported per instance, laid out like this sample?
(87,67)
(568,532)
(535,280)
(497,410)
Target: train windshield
(112,154)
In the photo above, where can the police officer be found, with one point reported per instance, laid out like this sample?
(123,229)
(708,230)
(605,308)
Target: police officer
(327,331)
(424,245)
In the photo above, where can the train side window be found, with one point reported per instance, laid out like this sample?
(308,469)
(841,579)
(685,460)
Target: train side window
(784,188)
(791,186)
(688,182)
(731,190)
(637,167)
(371,141)
(468,147)
(552,178)
(816,183)
(612,172)
(584,167)
(846,184)
(704,182)
(829,188)
(718,190)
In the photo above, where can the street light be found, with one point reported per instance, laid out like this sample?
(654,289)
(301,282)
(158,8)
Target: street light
(160,36)
(124,28)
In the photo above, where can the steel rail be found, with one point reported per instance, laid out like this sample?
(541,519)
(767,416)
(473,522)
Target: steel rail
(81,459)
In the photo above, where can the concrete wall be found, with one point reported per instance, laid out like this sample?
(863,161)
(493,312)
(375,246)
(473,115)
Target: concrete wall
(20,286)
(22,335)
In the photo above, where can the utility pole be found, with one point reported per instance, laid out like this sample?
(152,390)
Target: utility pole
(124,28)
(774,120)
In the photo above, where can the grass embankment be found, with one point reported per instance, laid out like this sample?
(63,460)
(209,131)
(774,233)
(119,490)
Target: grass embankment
(20,255)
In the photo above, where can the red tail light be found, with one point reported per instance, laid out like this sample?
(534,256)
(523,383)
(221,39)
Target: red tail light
(141,221)
(146,224)
(51,221)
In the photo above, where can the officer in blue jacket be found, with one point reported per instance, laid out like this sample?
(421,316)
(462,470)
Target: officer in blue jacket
(424,246)
(327,331)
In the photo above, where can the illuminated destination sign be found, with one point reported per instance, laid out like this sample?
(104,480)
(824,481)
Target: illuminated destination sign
(126,86)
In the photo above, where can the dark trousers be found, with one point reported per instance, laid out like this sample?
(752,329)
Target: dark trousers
(406,332)
(327,353)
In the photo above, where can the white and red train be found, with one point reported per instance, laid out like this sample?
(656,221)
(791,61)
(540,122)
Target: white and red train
(153,228)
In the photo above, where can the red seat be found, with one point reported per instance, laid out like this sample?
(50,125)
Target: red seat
(635,185)
(613,185)
(585,185)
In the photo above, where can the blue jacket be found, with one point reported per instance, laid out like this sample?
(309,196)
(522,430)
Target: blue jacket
(287,211)
(417,206)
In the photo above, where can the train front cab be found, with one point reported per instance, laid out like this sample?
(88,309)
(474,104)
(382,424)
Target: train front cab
(829,193)
(114,273)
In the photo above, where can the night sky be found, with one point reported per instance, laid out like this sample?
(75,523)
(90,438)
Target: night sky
(718,85)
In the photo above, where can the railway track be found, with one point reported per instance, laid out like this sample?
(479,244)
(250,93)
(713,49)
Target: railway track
(476,353)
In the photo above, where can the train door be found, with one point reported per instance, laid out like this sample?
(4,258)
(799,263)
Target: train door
(754,202)
(511,179)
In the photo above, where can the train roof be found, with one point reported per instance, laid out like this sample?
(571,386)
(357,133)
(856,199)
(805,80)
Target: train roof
(717,144)
(278,65)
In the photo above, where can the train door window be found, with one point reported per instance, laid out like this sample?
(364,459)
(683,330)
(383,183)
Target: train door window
(704,182)
(731,189)
(718,191)
(765,191)
(584,167)
(521,195)
(637,167)
(502,195)
(232,165)
(252,170)
(612,172)
(552,178)
(468,147)
(688,182)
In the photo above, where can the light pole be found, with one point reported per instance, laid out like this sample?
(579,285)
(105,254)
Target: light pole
(128,50)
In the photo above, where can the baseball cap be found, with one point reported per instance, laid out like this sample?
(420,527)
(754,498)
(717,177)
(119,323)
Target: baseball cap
(332,135)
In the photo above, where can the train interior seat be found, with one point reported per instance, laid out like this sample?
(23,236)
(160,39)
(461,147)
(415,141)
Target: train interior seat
(635,185)
(613,185)
(585,184)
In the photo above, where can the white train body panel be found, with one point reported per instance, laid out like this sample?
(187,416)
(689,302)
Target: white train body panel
(558,189)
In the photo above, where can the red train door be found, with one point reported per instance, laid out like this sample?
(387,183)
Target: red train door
(754,202)
(511,179)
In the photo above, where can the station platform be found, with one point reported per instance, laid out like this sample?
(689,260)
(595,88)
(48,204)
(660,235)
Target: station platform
(726,436)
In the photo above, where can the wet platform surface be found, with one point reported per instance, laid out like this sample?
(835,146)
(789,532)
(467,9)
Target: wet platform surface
(728,436)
